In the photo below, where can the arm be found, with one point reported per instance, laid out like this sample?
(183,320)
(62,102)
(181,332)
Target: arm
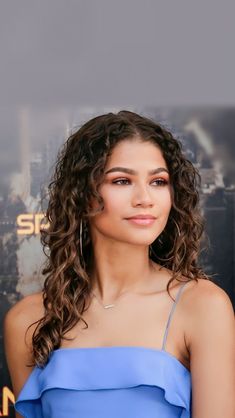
(211,341)
(17,347)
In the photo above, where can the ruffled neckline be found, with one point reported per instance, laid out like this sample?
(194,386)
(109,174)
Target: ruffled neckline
(123,347)
(112,367)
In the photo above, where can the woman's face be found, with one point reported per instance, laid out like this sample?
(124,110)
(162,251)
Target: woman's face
(129,189)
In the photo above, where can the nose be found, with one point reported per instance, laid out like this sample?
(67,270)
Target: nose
(142,196)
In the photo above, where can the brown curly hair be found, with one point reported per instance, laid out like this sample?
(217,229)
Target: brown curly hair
(79,171)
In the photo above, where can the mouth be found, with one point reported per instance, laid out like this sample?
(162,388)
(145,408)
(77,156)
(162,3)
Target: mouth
(142,221)
(147,216)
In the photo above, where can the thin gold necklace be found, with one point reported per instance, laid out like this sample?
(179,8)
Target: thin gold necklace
(111,305)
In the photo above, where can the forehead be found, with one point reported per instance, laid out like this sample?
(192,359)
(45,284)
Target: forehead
(136,152)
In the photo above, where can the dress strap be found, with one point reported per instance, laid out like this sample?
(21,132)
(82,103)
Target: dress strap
(171,313)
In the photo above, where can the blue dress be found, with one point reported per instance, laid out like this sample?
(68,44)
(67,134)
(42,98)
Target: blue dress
(108,382)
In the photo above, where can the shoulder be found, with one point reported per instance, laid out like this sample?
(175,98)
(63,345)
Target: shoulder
(26,310)
(22,314)
(16,322)
(204,295)
(210,337)
(206,306)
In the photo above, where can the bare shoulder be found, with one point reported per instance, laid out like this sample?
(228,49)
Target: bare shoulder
(25,311)
(17,343)
(210,337)
(205,301)
(18,318)
(198,294)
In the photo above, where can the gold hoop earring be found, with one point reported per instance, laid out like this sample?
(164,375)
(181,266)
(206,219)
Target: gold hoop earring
(80,238)
(161,242)
(177,226)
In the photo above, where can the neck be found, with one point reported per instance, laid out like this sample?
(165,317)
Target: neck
(113,275)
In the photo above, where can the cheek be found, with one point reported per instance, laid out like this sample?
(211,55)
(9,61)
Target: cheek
(164,195)
(112,200)
(164,202)
(168,199)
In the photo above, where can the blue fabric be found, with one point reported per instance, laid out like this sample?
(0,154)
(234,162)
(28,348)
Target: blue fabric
(107,382)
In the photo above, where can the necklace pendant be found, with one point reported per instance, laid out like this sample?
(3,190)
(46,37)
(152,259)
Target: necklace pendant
(108,306)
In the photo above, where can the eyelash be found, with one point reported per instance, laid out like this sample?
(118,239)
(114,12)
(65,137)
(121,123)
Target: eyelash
(163,182)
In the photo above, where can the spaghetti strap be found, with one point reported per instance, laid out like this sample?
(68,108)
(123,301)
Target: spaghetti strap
(171,313)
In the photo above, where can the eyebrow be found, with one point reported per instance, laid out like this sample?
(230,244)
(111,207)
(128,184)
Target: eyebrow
(130,171)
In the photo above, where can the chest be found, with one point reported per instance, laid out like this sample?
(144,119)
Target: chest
(135,320)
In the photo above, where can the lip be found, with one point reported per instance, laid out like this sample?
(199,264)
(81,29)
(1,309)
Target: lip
(142,217)
(142,221)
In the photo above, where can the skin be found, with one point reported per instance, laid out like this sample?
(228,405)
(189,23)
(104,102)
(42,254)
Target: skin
(202,330)
(121,248)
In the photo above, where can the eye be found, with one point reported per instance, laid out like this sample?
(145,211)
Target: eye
(161,182)
(118,181)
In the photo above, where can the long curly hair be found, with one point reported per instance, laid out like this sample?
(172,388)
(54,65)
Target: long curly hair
(79,171)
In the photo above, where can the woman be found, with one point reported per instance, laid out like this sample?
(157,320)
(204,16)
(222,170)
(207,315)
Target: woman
(123,238)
